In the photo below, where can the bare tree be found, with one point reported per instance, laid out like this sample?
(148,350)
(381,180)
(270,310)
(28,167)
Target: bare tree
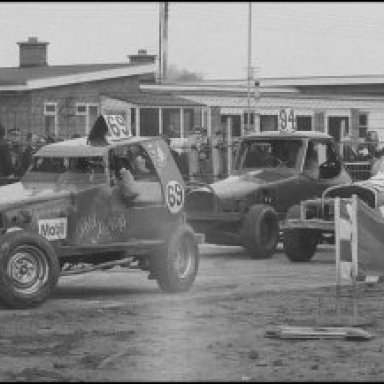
(175,73)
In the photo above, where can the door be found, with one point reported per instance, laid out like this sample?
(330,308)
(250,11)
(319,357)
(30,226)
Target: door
(338,128)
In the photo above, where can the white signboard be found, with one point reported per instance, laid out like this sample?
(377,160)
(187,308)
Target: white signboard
(53,229)
(174,196)
(117,127)
(287,119)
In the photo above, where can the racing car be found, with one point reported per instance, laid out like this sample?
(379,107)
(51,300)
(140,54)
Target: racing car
(67,215)
(311,222)
(273,171)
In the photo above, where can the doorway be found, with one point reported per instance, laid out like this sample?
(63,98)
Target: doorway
(338,128)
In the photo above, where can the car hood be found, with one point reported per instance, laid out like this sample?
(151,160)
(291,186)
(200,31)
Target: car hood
(21,193)
(242,183)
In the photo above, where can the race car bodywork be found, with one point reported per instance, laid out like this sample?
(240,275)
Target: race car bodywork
(67,215)
(312,222)
(269,176)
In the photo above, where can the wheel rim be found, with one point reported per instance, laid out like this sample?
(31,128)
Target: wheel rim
(184,259)
(28,269)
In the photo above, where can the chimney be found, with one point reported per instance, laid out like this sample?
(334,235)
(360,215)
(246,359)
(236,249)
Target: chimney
(33,53)
(142,57)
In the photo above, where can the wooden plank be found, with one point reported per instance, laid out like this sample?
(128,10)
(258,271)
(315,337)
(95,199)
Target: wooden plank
(305,332)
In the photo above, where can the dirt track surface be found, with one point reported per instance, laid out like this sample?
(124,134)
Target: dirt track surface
(118,326)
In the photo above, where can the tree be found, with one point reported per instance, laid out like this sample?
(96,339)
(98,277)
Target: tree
(175,73)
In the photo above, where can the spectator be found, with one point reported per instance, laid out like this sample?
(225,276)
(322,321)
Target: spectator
(311,164)
(6,169)
(27,154)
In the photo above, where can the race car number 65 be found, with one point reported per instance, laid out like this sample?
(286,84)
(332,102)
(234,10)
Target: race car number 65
(174,196)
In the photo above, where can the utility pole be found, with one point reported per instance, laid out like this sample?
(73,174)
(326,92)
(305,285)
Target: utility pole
(160,40)
(163,40)
(249,69)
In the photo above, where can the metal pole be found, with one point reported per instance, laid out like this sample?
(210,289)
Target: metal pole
(165,41)
(337,249)
(160,40)
(249,62)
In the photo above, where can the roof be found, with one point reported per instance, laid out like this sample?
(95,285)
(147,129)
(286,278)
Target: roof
(148,99)
(80,148)
(25,78)
(238,104)
(291,135)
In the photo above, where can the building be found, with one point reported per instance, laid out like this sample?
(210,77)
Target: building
(63,100)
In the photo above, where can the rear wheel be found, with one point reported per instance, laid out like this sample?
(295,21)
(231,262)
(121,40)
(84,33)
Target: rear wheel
(175,266)
(299,245)
(260,231)
(29,269)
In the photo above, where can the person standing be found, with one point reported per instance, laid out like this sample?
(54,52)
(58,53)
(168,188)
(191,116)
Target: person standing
(27,154)
(6,168)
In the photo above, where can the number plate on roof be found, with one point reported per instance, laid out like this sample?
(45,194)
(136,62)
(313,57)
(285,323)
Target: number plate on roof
(117,127)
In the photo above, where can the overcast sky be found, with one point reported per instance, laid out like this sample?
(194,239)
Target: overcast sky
(288,39)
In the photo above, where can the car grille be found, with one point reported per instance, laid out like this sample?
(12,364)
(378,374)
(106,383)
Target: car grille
(200,201)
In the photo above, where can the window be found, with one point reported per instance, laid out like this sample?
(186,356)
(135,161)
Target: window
(189,120)
(321,160)
(145,182)
(81,109)
(269,153)
(50,119)
(86,115)
(268,122)
(171,122)
(363,125)
(304,123)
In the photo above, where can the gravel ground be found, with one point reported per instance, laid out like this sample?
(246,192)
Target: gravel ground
(118,326)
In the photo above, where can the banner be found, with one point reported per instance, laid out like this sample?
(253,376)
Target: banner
(359,232)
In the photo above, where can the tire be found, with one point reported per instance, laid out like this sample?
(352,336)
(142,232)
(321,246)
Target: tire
(260,231)
(176,264)
(29,269)
(299,245)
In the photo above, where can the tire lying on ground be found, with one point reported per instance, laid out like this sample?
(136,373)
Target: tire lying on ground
(29,269)
(299,244)
(260,231)
(175,264)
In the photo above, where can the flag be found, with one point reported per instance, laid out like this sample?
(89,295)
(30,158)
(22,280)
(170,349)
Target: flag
(359,231)
(344,240)
(370,240)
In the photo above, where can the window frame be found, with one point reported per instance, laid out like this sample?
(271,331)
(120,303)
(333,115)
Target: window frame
(50,113)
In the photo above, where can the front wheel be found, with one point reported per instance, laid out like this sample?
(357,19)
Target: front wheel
(299,244)
(260,231)
(29,269)
(176,264)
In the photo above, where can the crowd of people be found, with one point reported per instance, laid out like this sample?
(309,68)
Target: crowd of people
(16,153)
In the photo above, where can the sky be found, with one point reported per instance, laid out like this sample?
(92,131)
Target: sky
(210,38)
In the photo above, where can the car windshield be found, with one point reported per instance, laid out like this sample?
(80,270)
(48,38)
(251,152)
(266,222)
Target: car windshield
(268,153)
(66,170)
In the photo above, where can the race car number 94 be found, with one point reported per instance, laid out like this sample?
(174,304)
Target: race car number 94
(174,196)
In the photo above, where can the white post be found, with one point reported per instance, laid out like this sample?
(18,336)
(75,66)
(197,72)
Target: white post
(137,110)
(181,122)
(229,145)
(354,255)
(209,128)
(160,121)
(242,124)
(337,249)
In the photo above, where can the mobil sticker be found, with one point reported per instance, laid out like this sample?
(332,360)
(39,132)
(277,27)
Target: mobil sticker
(53,229)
